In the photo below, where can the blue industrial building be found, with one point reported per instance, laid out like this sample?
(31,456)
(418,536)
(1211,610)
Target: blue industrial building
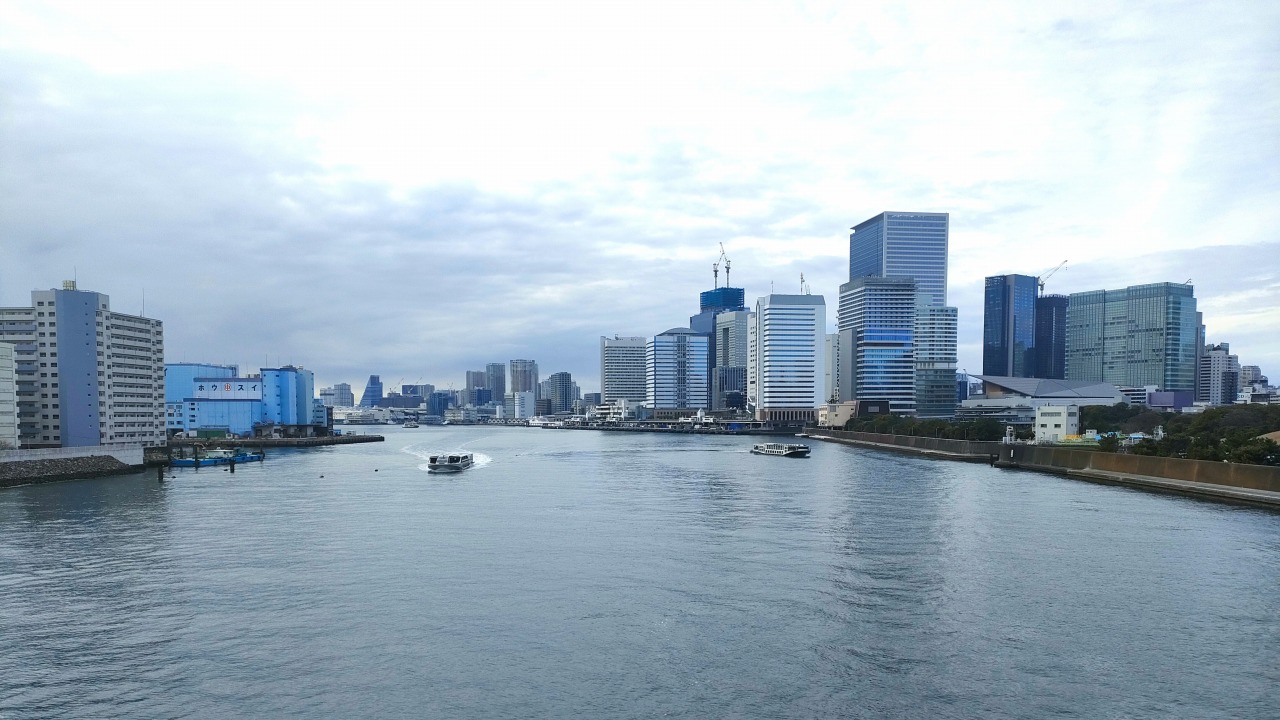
(212,399)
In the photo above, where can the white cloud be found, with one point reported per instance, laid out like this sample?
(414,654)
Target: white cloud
(544,173)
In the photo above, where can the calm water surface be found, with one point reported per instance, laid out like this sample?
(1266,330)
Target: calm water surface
(583,574)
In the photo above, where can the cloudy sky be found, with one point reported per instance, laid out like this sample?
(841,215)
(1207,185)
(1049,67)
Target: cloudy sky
(418,188)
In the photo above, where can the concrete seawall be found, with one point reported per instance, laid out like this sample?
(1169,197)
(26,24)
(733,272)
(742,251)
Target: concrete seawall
(967,450)
(1234,482)
(278,442)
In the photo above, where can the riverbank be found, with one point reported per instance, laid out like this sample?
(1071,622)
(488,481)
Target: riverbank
(1228,482)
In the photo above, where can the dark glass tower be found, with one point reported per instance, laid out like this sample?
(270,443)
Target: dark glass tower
(1051,337)
(372,392)
(1009,326)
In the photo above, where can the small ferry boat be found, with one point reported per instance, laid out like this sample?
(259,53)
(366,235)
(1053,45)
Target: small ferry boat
(781,449)
(449,462)
(409,425)
(218,456)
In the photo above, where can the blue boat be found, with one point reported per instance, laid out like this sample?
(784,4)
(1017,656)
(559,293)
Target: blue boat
(219,457)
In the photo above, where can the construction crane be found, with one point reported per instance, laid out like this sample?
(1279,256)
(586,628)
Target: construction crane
(1045,276)
(715,268)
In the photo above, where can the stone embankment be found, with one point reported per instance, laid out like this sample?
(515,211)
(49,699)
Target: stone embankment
(1233,482)
(28,472)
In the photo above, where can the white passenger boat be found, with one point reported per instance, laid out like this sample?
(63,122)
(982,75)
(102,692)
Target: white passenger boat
(449,462)
(781,449)
(409,425)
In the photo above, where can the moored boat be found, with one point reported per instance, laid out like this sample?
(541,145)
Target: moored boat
(218,456)
(450,462)
(781,449)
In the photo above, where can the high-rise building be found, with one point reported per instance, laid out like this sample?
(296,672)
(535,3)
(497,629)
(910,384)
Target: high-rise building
(561,390)
(1137,336)
(676,366)
(935,361)
(1051,337)
(524,376)
(342,395)
(1219,375)
(372,392)
(902,244)
(729,369)
(477,379)
(496,380)
(622,369)
(877,326)
(1009,326)
(1251,375)
(417,390)
(790,338)
(85,375)
(753,363)
(8,398)
(898,246)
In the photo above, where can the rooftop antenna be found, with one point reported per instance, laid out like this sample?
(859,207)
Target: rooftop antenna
(802,290)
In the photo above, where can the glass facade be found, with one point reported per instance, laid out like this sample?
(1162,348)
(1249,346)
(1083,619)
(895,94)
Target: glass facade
(877,326)
(1051,337)
(791,338)
(1140,335)
(896,244)
(372,392)
(1009,326)
(676,368)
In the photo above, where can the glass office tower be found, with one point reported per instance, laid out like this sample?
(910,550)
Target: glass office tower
(902,244)
(1009,326)
(1140,335)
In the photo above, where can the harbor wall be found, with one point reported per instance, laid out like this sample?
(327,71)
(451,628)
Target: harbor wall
(974,450)
(1070,460)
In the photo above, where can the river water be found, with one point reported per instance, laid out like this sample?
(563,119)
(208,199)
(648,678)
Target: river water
(584,574)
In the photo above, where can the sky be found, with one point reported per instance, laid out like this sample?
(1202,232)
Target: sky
(415,189)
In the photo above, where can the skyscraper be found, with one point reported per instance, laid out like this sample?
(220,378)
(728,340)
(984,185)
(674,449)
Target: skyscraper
(524,376)
(676,364)
(1051,337)
(729,370)
(496,379)
(92,376)
(1009,326)
(935,361)
(877,326)
(372,392)
(900,244)
(1133,337)
(791,339)
(561,390)
(342,395)
(622,369)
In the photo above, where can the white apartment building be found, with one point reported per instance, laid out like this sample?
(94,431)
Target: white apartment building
(1219,375)
(85,375)
(622,373)
(8,399)
(790,363)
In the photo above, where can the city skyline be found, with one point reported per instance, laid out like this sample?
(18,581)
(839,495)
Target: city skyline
(274,211)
